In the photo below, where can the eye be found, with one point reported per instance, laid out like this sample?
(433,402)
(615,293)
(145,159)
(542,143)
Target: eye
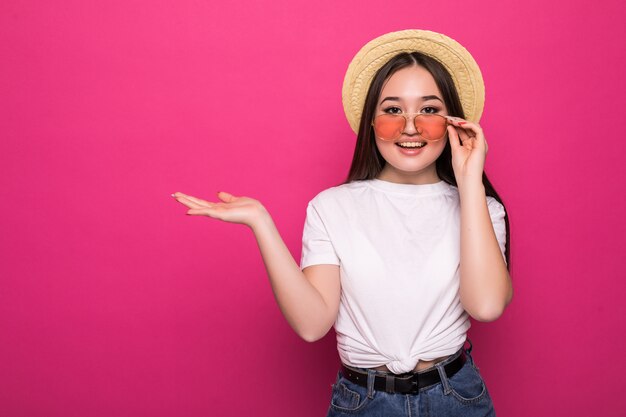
(435,109)
(393,110)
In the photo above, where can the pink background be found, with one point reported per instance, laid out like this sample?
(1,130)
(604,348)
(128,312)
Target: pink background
(113,302)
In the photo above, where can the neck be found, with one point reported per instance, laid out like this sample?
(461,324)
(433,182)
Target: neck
(427,176)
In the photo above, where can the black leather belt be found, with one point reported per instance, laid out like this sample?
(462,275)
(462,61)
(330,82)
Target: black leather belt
(407,383)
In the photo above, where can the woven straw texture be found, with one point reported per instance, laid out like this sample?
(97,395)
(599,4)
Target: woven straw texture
(455,58)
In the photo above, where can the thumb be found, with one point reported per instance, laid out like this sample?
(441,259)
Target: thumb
(453,138)
(227,197)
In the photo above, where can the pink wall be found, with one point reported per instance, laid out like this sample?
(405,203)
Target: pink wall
(114,303)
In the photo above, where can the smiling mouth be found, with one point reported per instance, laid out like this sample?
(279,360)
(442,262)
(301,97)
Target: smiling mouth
(411,145)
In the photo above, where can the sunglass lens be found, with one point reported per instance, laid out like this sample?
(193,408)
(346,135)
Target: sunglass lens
(388,126)
(433,126)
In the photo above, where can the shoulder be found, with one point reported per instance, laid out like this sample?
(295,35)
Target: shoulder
(339,194)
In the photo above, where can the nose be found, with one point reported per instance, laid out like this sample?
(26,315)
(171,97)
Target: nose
(409,126)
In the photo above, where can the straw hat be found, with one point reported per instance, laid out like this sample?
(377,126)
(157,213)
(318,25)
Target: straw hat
(454,57)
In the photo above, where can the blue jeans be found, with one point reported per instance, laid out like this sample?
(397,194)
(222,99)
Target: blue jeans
(464,395)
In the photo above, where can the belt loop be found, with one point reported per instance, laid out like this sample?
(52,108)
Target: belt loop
(444,378)
(390,385)
(371,374)
(469,350)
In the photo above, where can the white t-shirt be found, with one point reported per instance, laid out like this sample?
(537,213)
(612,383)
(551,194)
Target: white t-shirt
(398,248)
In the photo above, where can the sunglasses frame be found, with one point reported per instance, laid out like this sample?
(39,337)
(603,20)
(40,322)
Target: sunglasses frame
(406,119)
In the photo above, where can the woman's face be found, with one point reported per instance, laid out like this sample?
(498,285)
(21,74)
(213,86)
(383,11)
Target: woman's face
(410,90)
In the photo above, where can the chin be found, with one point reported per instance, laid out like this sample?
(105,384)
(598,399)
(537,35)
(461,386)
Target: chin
(411,163)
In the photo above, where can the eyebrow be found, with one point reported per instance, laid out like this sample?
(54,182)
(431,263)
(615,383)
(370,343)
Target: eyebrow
(424,98)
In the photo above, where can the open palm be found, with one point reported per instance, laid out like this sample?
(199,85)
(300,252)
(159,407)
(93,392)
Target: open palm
(243,210)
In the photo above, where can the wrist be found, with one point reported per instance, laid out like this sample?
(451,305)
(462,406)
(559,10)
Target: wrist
(471,186)
(260,220)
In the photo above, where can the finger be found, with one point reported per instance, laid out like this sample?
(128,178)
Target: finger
(463,135)
(198,200)
(204,211)
(454,118)
(453,138)
(227,197)
(189,203)
(456,131)
(474,131)
(464,124)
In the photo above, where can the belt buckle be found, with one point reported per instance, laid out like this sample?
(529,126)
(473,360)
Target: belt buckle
(414,384)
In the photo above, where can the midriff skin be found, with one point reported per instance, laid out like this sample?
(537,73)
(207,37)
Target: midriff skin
(421,365)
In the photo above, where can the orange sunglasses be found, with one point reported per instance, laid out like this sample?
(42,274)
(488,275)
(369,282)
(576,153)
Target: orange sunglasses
(430,126)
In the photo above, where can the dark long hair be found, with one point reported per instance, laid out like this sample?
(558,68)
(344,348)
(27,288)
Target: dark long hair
(367,161)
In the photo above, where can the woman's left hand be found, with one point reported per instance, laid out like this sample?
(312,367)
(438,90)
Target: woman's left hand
(469,149)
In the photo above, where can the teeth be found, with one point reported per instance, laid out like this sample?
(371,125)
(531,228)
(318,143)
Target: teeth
(412,144)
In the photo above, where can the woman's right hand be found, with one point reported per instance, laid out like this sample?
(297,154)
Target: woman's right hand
(244,210)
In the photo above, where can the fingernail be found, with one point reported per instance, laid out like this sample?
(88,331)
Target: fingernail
(462,123)
(173,195)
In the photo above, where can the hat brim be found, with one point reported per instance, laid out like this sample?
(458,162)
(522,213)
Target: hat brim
(455,58)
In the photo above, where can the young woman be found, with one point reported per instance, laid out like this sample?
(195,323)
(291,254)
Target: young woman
(413,243)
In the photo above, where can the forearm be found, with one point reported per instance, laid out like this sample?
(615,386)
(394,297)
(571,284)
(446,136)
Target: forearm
(485,287)
(299,301)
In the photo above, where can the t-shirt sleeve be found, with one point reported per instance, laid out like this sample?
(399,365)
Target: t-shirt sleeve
(496,212)
(316,245)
